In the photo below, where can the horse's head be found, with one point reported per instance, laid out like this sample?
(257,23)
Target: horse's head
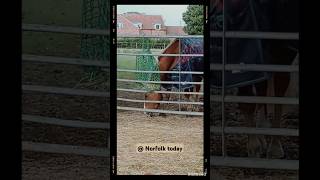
(152,96)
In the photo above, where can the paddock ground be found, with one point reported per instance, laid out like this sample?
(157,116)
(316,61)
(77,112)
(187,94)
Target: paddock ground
(136,127)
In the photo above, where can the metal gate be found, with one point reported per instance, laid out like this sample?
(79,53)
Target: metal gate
(179,91)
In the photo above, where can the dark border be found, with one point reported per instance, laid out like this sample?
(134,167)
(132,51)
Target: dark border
(113,90)
(113,85)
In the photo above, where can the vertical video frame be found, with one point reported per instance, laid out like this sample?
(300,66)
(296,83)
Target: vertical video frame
(160,73)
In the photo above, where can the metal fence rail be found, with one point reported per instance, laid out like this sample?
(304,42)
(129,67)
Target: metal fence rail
(161,111)
(161,72)
(64,29)
(64,91)
(254,131)
(66,123)
(255,35)
(228,34)
(164,102)
(154,36)
(134,45)
(169,55)
(65,149)
(63,60)
(254,163)
(255,99)
(158,82)
(161,92)
(256,67)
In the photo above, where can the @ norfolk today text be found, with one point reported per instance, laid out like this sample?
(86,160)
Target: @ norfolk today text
(169,147)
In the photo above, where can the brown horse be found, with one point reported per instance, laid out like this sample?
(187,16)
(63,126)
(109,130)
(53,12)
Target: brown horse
(167,63)
(280,16)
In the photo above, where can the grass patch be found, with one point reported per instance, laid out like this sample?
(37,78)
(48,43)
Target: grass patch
(128,62)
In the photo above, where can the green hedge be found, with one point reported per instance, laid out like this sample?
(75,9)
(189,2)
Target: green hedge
(143,43)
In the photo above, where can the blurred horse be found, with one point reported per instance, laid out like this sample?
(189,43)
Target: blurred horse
(257,15)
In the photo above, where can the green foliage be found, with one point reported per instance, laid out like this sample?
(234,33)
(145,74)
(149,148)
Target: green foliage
(94,15)
(193,18)
(141,43)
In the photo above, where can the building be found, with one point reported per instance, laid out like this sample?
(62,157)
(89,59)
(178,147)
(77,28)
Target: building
(139,24)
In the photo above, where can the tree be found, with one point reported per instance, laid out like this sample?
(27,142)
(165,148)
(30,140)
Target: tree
(193,18)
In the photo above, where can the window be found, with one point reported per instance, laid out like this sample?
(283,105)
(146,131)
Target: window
(119,25)
(138,25)
(157,26)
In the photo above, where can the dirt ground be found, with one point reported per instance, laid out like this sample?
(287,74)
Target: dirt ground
(227,173)
(40,166)
(134,128)
(45,166)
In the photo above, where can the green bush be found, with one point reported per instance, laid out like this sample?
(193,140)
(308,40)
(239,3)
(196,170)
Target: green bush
(143,43)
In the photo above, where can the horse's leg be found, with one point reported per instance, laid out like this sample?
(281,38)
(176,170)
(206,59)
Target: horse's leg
(280,83)
(165,97)
(196,97)
(293,89)
(247,111)
(189,98)
(261,117)
(192,98)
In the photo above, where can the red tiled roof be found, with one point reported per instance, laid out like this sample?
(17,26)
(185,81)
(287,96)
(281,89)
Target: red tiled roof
(175,30)
(128,28)
(148,21)
(121,18)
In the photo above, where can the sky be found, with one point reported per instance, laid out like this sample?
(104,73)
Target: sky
(172,14)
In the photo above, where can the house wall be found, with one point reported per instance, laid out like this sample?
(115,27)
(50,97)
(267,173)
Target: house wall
(128,28)
(153,32)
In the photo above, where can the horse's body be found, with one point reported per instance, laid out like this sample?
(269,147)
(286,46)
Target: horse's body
(270,16)
(168,63)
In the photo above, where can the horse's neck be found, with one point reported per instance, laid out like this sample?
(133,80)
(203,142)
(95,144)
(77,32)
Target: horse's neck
(174,63)
(175,50)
